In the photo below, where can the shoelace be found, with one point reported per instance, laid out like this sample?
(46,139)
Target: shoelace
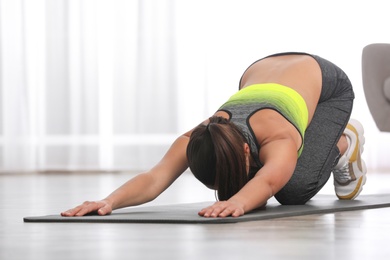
(342,174)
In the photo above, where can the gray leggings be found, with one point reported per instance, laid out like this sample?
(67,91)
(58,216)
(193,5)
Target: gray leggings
(320,153)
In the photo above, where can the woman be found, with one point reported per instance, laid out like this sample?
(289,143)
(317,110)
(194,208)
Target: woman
(281,134)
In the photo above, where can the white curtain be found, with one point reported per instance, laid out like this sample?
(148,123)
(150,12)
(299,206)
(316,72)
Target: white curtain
(109,84)
(86,85)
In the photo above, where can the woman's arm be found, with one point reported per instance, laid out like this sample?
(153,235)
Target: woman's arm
(144,187)
(279,158)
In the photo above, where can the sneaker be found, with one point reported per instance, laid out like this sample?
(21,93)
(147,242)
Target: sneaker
(350,172)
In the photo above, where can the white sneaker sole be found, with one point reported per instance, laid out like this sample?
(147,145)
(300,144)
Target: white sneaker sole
(358,166)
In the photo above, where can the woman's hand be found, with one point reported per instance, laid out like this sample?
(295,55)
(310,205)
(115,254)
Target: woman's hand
(102,208)
(223,209)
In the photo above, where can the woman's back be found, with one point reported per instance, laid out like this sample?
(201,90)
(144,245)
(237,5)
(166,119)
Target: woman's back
(297,71)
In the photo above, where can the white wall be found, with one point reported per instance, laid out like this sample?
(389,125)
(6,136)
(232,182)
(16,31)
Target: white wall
(224,37)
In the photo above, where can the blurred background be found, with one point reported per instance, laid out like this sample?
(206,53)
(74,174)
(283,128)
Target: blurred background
(106,85)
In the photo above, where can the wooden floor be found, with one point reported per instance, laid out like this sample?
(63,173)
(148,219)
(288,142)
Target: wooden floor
(344,235)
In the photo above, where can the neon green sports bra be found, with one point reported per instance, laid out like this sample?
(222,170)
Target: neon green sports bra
(286,101)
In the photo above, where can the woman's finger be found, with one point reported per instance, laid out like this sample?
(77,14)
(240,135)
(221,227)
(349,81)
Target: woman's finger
(212,211)
(222,209)
(88,207)
(106,210)
(71,212)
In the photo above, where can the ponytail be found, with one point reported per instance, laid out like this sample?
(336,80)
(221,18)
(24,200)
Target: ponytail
(216,156)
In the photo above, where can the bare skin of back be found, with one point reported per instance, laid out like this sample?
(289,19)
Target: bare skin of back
(299,72)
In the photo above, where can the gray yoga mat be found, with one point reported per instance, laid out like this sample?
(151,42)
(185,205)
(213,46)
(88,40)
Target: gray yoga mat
(187,213)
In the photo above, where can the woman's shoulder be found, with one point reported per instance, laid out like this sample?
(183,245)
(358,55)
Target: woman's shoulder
(268,125)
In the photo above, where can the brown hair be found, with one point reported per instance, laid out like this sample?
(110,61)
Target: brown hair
(216,157)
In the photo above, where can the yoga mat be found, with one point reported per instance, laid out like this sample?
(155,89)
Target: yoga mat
(187,213)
